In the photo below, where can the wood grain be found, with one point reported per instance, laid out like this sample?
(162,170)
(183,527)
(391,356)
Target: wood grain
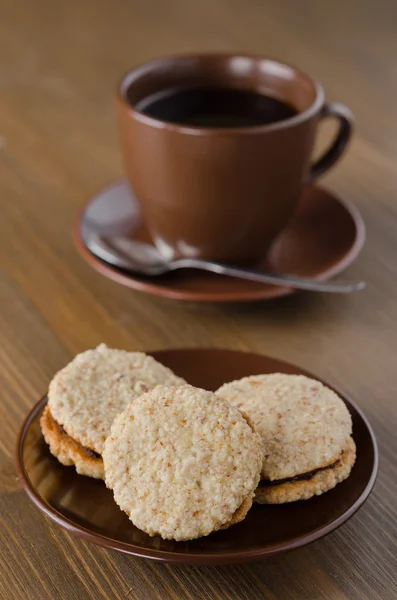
(59,63)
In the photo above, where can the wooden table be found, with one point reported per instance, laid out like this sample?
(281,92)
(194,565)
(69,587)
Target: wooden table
(58,145)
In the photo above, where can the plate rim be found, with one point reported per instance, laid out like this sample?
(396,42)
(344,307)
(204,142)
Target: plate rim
(225,557)
(163,291)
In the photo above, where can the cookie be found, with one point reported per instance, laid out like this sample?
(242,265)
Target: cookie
(182,463)
(67,450)
(240,513)
(303,424)
(315,484)
(86,395)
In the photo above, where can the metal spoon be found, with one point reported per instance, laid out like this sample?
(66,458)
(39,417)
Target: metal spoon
(138,257)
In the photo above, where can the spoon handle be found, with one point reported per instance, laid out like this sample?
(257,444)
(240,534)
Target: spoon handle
(299,283)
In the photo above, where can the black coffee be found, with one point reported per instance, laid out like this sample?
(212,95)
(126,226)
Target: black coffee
(214,107)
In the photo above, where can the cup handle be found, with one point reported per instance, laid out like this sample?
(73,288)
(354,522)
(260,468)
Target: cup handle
(338,146)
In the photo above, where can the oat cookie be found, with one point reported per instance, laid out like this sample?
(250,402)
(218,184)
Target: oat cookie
(67,450)
(182,462)
(302,489)
(303,424)
(86,395)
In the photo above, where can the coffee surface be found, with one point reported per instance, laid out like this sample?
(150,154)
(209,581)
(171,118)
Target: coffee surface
(215,107)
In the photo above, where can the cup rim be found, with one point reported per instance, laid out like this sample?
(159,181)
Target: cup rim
(297,119)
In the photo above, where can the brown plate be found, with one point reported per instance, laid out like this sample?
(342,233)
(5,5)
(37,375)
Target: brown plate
(85,507)
(324,237)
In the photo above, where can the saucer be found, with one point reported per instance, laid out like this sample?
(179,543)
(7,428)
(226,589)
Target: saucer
(324,237)
(85,507)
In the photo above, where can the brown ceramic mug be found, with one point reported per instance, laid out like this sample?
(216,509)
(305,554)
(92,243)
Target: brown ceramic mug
(223,193)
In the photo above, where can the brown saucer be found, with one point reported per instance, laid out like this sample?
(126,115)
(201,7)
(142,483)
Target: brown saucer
(324,237)
(86,508)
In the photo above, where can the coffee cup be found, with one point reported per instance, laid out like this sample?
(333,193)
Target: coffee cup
(217,148)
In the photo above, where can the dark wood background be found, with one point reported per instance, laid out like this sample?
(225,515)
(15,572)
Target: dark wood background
(59,62)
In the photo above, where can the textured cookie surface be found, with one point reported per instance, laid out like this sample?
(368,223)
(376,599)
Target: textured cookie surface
(303,424)
(182,462)
(97,385)
(67,450)
(322,481)
(240,514)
